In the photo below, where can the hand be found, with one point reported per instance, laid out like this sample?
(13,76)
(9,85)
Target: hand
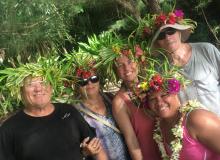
(91,147)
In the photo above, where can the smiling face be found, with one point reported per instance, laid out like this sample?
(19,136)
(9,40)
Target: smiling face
(170,42)
(163,104)
(36,93)
(92,86)
(127,70)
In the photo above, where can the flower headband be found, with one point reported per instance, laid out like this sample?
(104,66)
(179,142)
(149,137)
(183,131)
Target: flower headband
(170,18)
(134,52)
(85,72)
(158,83)
(150,24)
(169,79)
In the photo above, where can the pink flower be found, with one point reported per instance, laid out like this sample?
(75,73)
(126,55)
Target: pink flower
(173,86)
(138,51)
(179,13)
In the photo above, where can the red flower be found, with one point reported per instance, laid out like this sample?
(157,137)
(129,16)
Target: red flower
(160,20)
(138,51)
(157,78)
(125,52)
(86,74)
(172,19)
(156,82)
(146,32)
(79,72)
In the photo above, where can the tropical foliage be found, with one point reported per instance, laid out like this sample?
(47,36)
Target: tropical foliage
(33,28)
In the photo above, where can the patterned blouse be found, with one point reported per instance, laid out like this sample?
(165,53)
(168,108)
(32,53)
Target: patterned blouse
(112,141)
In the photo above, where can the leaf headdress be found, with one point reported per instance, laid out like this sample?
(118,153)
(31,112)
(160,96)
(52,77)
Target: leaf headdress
(48,69)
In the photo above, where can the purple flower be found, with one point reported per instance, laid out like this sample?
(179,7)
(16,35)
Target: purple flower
(173,86)
(179,13)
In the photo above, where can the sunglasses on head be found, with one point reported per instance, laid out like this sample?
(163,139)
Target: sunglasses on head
(83,82)
(168,31)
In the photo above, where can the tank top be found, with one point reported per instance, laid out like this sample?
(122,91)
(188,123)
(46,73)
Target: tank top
(194,150)
(143,126)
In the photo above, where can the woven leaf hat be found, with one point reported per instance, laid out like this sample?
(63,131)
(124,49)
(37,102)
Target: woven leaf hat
(49,69)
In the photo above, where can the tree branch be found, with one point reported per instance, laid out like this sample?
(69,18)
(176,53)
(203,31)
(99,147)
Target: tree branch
(130,5)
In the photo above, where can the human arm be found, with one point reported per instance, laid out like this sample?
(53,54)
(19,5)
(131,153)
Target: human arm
(204,126)
(93,148)
(122,117)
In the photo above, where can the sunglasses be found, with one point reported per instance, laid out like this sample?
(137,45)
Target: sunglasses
(83,82)
(169,31)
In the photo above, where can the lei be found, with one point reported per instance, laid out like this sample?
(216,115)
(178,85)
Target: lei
(177,131)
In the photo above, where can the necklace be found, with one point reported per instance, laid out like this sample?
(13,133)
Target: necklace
(177,131)
(136,100)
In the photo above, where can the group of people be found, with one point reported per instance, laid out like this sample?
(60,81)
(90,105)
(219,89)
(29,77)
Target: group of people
(161,120)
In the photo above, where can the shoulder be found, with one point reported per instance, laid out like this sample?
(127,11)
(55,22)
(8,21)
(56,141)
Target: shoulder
(13,121)
(200,120)
(118,99)
(202,45)
(63,108)
(119,104)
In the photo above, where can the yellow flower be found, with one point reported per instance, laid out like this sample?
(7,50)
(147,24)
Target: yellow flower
(116,49)
(144,86)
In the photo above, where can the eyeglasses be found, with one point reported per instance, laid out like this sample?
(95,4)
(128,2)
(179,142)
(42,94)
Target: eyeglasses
(83,82)
(169,31)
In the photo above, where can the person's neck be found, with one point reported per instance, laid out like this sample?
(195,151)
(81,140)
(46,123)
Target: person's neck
(39,111)
(92,99)
(131,85)
(181,56)
(172,121)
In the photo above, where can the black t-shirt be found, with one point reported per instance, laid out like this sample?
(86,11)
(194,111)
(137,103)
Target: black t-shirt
(53,137)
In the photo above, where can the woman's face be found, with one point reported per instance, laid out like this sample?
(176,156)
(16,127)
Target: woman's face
(169,39)
(89,86)
(127,70)
(163,104)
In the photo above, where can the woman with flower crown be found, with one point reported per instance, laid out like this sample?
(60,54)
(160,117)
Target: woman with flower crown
(96,106)
(199,61)
(182,132)
(122,61)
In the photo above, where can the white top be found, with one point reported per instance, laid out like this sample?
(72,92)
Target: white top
(203,69)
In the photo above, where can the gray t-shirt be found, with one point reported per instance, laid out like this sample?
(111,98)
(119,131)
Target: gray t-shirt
(203,70)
